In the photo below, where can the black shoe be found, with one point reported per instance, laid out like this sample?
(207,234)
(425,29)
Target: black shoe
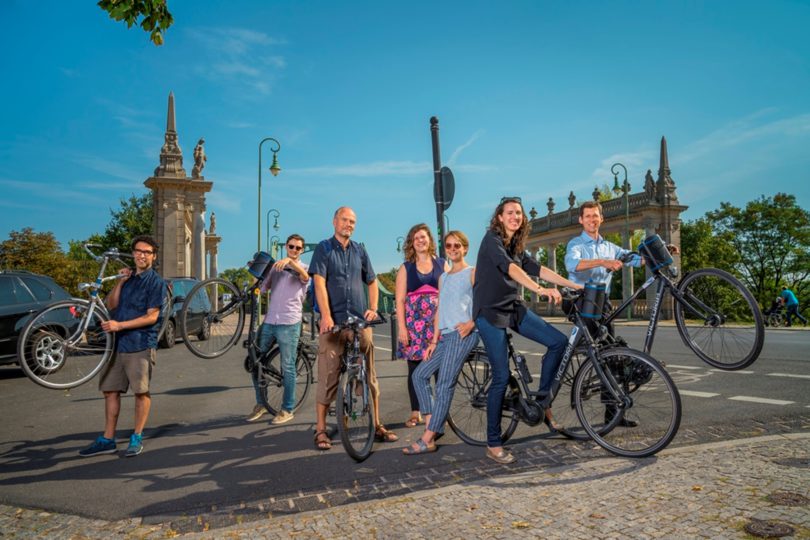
(627,423)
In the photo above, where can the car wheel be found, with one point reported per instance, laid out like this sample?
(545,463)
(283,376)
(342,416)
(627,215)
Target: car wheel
(205,329)
(47,352)
(169,336)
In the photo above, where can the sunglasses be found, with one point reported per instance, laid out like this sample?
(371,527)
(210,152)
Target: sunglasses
(452,245)
(294,248)
(511,199)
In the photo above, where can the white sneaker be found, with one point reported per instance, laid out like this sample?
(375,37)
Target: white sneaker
(282,418)
(258,412)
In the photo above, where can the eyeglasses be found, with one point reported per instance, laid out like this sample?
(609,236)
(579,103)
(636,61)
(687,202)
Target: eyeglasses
(451,245)
(294,248)
(511,199)
(142,252)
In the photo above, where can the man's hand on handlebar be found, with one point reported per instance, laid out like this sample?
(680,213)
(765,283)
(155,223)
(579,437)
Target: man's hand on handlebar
(370,315)
(613,264)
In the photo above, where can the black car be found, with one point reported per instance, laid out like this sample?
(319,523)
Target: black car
(199,309)
(22,295)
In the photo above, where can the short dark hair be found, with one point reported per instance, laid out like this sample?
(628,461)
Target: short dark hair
(295,237)
(590,204)
(146,239)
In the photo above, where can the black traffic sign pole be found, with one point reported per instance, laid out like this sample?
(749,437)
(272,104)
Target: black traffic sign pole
(438,192)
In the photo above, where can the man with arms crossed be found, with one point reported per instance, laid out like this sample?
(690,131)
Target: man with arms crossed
(287,282)
(340,267)
(134,305)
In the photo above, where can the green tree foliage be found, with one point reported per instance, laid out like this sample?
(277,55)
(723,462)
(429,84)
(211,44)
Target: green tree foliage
(41,253)
(702,247)
(133,218)
(154,15)
(239,276)
(772,237)
(388,279)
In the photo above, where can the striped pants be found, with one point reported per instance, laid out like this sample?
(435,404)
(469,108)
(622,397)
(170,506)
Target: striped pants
(447,360)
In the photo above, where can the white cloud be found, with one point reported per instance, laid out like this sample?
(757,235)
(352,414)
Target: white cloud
(457,152)
(238,55)
(108,167)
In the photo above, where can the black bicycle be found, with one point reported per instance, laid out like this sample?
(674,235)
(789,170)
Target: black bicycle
(716,315)
(222,306)
(608,387)
(355,408)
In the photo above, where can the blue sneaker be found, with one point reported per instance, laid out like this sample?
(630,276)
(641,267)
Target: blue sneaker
(135,446)
(101,445)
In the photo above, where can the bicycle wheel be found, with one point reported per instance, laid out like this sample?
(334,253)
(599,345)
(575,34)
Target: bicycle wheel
(775,320)
(209,325)
(564,407)
(650,414)
(719,319)
(468,409)
(271,381)
(55,352)
(164,340)
(355,417)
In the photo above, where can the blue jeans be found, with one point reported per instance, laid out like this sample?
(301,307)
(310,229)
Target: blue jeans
(286,335)
(447,359)
(533,327)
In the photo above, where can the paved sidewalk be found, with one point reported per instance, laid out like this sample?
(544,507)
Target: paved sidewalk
(707,490)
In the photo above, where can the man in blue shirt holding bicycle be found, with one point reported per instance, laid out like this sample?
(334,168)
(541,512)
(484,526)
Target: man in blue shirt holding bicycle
(134,305)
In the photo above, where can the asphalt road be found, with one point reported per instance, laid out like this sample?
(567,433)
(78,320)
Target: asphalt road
(201,454)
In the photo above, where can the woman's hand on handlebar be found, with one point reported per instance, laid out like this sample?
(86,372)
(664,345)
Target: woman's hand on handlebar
(370,315)
(552,294)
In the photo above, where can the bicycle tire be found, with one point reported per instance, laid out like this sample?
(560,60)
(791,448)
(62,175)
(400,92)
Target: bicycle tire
(726,329)
(468,408)
(355,414)
(165,314)
(654,407)
(268,377)
(564,406)
(53,354)
(220,324)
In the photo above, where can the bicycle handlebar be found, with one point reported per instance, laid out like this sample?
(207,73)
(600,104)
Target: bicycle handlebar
(356,323)
(111,253)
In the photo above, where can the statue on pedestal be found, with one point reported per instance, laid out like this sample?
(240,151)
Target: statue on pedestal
(199,159)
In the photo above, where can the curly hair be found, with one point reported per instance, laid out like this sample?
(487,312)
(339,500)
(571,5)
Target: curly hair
(518,242)
(408,249)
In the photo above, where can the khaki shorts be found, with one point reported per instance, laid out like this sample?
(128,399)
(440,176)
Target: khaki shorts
(330,348)
(129,369)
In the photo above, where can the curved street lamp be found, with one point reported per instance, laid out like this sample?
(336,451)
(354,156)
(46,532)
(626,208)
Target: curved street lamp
(400,240)
(274,170)
(276,214)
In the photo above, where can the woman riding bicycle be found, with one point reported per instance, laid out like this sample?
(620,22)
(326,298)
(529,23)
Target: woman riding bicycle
(501,267)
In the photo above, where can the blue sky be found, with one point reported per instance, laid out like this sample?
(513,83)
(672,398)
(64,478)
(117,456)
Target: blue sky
(534,99)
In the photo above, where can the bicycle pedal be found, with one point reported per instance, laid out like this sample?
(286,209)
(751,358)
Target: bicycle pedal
(332,411)
(245,344)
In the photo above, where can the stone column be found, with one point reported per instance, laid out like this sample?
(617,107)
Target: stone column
(198,242)
(552,265)
(649,294)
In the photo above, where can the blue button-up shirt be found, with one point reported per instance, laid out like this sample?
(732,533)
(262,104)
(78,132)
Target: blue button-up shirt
(583,247)
(346,271)
(139,293)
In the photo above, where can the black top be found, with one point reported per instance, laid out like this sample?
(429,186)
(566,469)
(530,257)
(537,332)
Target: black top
(495,294)
(346,271)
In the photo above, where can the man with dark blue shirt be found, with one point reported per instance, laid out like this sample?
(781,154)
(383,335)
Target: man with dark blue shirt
(340,268)
(134,305)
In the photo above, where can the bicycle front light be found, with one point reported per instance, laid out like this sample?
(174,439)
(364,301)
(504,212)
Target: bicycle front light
(84,286)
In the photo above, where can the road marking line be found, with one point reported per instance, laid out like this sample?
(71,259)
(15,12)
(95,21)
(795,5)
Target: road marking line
(697,394)
(789,375)
(381,348)
(744,372)
(682,367)
(761,400)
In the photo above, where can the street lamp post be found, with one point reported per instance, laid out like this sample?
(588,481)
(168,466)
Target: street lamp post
(274,246)
(274,170)
(627,272)
(276,214)
(400,240)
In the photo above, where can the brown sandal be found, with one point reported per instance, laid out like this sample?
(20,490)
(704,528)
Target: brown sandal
(384,435)
(413,421)
(322,440)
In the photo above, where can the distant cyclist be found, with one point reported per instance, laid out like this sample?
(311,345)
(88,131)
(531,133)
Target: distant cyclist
(792,305)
